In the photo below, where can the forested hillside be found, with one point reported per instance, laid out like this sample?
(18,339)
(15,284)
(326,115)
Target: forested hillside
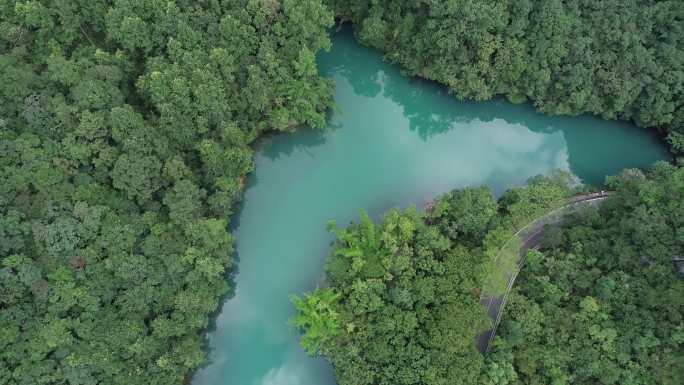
(619,59)
(402,305)
(124,139)
(601,303)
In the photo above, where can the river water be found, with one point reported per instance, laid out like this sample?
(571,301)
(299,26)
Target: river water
(390,142)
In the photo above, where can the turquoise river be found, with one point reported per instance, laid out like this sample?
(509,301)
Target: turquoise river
(391,141)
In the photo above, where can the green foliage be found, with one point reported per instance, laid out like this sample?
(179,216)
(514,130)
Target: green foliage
(521,207)
(502,262)
(614,58)
(406,301)
(465,214)
(541,195)
(407,290)
(603,303)
(316,315)
(125,131)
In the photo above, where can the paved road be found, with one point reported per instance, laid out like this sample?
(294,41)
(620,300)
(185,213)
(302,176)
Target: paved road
(530,237)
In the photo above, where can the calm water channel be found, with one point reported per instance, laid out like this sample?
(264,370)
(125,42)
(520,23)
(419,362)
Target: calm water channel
(391,141)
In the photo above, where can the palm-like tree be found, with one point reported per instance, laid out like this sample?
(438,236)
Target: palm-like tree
(317,317)
(360,243)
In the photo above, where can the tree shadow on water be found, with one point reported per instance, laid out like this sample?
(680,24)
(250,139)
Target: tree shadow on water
(360,66)
(230,277)
(594,147)
(431,110)
(428,105)
(277,144)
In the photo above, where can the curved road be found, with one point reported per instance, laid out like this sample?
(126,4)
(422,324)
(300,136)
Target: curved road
(530,237)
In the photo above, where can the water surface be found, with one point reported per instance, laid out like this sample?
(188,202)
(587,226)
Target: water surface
(391,141)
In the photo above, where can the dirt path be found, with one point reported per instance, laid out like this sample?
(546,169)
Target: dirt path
(530,237)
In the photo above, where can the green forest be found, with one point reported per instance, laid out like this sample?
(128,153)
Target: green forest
(127,129)
(599,303)
(125,132)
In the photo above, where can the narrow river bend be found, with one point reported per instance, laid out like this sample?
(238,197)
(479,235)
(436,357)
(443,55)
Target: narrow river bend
(391,141)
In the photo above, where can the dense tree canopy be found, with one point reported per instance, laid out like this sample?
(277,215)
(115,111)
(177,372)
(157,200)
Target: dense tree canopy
(402,305)
(408,310)
(614,58)
(124,139)
(602,303)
